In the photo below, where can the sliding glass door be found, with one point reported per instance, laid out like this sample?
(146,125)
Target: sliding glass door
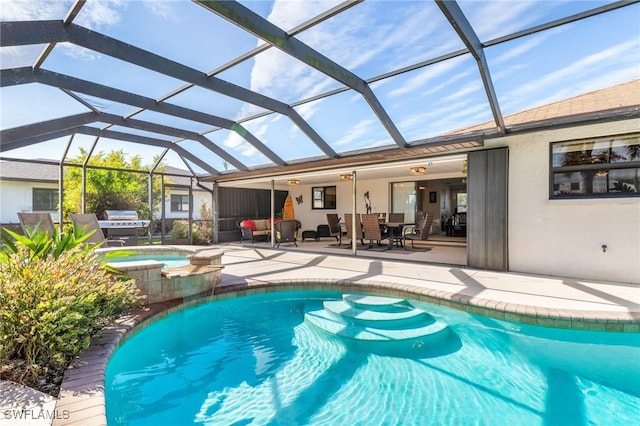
(403,200)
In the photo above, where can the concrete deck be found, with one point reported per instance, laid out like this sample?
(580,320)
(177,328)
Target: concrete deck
(550,301)
(20,405)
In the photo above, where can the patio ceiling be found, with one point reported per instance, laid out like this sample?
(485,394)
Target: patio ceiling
(239,90)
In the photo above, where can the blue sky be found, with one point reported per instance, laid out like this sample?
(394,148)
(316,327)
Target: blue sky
(370,39)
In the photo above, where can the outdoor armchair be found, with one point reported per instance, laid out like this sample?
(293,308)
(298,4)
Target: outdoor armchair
(42,221)
(415,233)
(286,231)
(90,222)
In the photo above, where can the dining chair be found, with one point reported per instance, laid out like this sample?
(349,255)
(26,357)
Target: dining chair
(382,217)
(372,229)
(396,217)
(349,225)
(334,227)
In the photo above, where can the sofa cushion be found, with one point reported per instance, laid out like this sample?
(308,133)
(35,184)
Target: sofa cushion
(261,225)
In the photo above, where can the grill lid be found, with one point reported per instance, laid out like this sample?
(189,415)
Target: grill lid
(121,215)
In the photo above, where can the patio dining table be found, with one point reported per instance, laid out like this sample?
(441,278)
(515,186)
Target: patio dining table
(395,232)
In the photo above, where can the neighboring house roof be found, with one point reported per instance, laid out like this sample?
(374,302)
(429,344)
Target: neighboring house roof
(38,172)
(35,172)
(618,96)
(182,177)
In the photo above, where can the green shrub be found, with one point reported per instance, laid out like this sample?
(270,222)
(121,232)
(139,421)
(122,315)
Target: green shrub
(180,231)
(41,244)
(50,306)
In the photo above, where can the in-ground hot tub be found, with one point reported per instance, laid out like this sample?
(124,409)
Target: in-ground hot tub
(199,274)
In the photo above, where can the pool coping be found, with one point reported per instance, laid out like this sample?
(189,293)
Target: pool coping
(82,393)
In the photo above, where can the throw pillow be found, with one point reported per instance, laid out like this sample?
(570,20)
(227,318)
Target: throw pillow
(248,223)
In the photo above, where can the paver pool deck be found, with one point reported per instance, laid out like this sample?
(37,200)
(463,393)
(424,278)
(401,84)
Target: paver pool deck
(544,300)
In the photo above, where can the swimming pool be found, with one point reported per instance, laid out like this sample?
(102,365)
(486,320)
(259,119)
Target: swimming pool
(169,260)
(258,360)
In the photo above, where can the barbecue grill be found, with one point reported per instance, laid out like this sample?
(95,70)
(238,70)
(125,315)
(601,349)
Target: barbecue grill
(123,225)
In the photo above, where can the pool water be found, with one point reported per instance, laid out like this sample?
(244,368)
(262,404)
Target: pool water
(256,360)
(170,261)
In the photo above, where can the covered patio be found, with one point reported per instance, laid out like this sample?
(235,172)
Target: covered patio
(436,251)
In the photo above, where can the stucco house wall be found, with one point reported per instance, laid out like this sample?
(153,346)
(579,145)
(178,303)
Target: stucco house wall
(198,197)
(378,194)
(546,237)
(565,237)
(17,197)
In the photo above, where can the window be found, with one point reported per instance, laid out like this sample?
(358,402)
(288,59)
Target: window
(591,168)
(45,199)
(461,202)
(179,203)
(324,197)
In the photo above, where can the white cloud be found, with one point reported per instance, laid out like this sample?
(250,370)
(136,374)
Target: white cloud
(19,56)
(249,151)
(589,73)
(98,15)
(248,110)
(359,130)
(464,91)
(498,73)
(307,110)
(163,9)
(233,140)
(78,52)
(94,14)
(260,132)
(25,10)
(582,67)
(420,119)
(448,82)
(276,74)
(444,120)
(287,14)
(493,19)
(424,76)
(520,49)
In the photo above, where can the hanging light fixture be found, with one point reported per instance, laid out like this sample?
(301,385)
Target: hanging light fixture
(418,170)
(346,176)
(293,181)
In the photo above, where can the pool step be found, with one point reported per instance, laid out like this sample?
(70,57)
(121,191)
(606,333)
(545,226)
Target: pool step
(330,324)
(384,319)
(374,318)
(376,303)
